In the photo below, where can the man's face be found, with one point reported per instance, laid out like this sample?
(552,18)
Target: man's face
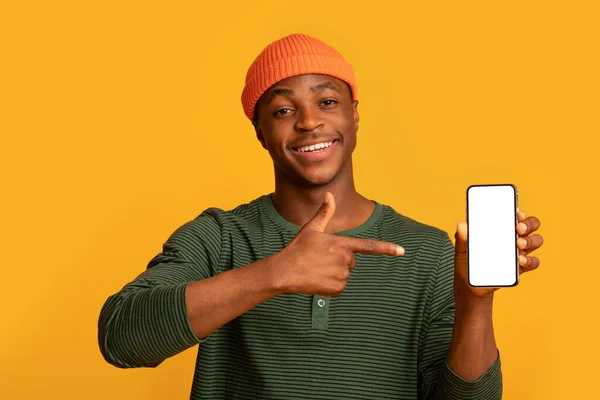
(308,110)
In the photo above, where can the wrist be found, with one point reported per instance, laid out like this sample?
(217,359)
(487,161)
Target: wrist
(474,308)
(273,276)
(468,303)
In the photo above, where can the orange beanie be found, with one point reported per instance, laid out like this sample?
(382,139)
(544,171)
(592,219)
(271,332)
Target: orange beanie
(293,55)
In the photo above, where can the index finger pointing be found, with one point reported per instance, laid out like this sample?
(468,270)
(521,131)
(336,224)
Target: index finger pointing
(371,246)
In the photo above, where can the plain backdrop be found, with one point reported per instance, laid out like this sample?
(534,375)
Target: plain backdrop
(120,121)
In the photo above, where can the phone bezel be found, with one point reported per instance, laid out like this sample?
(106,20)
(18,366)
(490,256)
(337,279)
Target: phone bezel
(516,209)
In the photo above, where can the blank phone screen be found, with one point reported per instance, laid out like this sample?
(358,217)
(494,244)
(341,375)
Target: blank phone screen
(492,249)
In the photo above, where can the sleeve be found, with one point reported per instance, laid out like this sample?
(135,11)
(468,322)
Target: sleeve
(146,321)
(436,380)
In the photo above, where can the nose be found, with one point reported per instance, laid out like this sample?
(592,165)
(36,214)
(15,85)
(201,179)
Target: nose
(309,119)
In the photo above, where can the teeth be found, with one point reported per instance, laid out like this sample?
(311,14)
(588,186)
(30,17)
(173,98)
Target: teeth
(314,147)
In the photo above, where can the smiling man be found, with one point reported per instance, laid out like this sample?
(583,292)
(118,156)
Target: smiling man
(312,291)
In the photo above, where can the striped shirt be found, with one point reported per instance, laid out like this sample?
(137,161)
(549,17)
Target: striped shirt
(385,337)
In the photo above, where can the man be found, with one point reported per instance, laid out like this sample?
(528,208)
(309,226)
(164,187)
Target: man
(313,291)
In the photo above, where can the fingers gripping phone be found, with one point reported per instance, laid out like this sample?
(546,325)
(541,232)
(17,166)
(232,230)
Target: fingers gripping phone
(492,252)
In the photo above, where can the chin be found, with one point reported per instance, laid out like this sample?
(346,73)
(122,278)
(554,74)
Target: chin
(318,179)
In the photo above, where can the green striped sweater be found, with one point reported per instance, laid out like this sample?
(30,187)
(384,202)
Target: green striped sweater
(385,337)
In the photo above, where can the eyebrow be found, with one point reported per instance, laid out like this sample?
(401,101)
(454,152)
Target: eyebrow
(324,85)
(289,92)
(280,92)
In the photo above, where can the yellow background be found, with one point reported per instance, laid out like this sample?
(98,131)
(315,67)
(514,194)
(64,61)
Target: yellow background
(120,121)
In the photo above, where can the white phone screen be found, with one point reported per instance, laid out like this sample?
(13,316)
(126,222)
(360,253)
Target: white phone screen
(491,243)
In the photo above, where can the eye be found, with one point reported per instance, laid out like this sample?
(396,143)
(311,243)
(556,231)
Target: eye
(281,112)
(328,102)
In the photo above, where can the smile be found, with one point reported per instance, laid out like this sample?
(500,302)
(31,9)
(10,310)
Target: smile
(313,148)
(313,153)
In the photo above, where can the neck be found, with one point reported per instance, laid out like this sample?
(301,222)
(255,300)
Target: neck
(299,204)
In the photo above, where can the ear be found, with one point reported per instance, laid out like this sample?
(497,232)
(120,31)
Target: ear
(356,116)
(259,135)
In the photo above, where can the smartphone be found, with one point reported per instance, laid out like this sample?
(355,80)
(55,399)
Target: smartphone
(492,252)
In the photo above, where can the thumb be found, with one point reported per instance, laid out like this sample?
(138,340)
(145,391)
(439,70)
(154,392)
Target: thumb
(323,216)
(461,237)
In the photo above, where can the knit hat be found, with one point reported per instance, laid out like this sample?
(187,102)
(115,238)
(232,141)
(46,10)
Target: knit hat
(293,55)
